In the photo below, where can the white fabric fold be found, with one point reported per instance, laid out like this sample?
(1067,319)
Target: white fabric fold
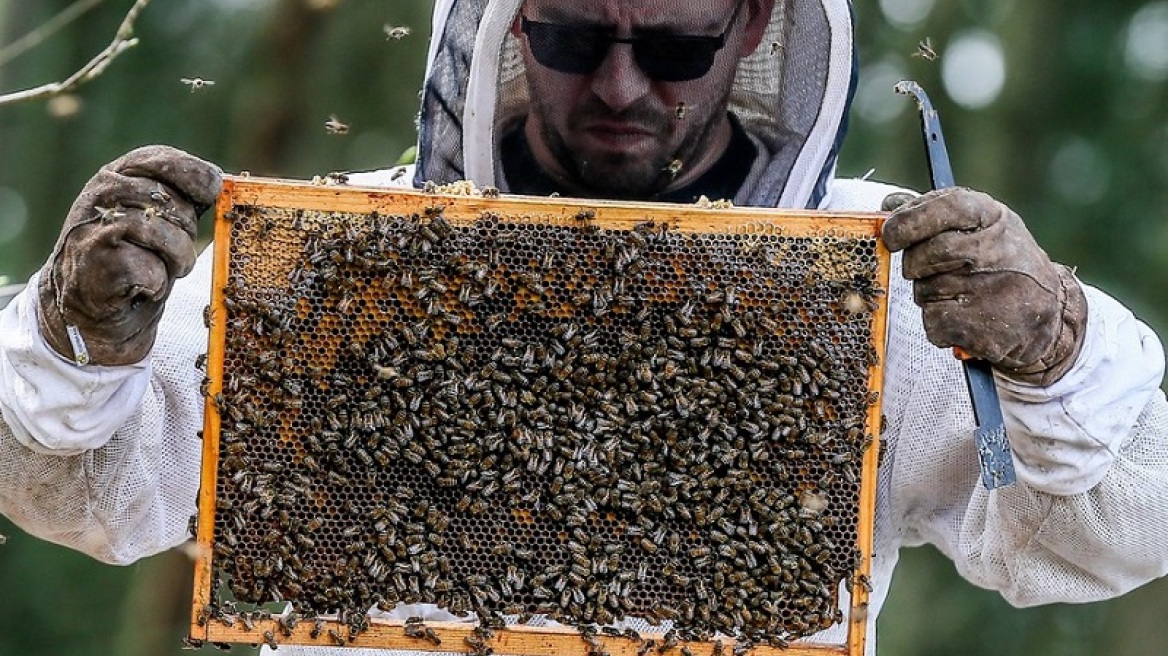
(1066,436)
(52,405)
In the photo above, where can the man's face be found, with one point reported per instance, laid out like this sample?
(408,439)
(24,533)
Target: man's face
(616,129)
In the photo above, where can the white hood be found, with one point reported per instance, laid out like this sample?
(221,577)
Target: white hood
(791,95)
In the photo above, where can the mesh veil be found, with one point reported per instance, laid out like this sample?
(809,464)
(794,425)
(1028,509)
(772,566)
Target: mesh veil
(790,95)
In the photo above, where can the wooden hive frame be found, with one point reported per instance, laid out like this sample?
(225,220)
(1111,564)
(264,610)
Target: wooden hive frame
(462,210)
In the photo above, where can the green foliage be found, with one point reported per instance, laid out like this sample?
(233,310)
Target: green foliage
(409,156)
(931,611)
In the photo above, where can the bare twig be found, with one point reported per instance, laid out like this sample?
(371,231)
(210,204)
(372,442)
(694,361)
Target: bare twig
(43,32)
(123,40)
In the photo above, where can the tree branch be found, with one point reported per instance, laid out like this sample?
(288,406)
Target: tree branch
(123,40)
(43,32)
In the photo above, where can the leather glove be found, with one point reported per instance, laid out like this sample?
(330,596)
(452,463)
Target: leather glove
(129,234)
(984,285)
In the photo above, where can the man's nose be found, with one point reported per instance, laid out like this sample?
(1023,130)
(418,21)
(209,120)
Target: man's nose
(619,81)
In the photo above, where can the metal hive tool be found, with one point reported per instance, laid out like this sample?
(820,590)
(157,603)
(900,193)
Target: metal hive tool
(537,409)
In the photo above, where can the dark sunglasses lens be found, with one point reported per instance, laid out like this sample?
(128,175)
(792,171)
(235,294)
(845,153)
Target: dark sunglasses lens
(566,49)
(676,59)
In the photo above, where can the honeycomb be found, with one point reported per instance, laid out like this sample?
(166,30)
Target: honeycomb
(521,417)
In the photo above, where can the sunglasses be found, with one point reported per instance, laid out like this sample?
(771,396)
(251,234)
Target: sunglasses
(664,57)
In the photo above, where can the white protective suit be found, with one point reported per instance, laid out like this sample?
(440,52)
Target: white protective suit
(105,459)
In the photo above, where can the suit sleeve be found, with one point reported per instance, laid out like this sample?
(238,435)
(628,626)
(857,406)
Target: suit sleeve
(1086,520)
(104,460)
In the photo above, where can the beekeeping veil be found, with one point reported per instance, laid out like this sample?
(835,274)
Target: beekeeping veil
(791,95)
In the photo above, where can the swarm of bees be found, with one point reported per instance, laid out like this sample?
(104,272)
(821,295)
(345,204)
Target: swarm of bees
(664,441)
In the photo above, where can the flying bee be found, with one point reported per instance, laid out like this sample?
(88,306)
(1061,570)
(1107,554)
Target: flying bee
(680,110)
(925,50)
(196,83)
(776,47)
(334,125)
(673,168)
(395,32)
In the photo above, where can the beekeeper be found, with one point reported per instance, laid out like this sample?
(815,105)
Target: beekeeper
(650,99)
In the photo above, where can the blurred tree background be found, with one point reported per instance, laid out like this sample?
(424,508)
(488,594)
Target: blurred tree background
(1058,108)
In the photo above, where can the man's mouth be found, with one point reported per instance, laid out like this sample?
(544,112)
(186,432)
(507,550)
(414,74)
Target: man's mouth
(619,134)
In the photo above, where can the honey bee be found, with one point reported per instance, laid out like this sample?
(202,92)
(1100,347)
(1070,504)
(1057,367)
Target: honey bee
(430,635)
(395,32)
(680,110)
(673,168)
(335,178)
(334,125)
(863,581)
(196,83)
(925,50)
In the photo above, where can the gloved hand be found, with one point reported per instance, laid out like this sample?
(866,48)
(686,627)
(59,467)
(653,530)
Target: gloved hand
(129,234)
(985,286)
